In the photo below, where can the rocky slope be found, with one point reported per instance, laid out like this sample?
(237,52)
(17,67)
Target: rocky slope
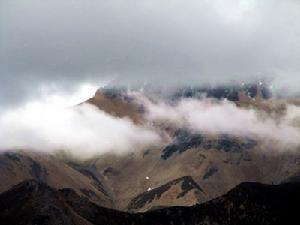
(117,103)
(182,191)
(18,166)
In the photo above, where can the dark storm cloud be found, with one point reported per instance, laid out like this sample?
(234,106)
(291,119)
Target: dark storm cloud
(71,41)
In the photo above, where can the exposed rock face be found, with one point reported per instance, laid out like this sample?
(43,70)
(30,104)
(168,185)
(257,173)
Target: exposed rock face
(34,202)
(232,93)
(185,140)
(182,191)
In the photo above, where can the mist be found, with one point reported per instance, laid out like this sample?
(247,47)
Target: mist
(56,123)
(218,117)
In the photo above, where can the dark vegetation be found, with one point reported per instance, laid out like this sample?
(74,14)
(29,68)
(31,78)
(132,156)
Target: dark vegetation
(33,202)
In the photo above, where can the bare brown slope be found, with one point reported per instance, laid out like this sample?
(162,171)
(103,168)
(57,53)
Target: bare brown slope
(19,166)
(216,170)
(116,106)
(182,191)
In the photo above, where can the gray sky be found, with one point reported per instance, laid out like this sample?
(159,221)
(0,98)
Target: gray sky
(67,42)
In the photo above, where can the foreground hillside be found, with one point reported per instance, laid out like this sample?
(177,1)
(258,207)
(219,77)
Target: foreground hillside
(19,166)
(33,202)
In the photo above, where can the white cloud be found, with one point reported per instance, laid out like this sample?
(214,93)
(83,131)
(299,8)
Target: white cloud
(48,125)
(224,117)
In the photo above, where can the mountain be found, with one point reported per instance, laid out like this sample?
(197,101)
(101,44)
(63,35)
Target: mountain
(216,163)
(18,166)
(182,191)
(247,203)
(117,103)
(32,202)
(186,169)
(234,93)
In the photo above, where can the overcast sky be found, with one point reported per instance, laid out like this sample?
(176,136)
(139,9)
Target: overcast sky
(67,42)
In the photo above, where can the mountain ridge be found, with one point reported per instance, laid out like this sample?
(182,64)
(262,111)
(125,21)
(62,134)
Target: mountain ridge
(32,202)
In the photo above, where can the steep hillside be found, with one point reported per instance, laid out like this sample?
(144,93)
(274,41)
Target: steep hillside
(182,191)
(33,202)
(19,166)
(117,103)
(216,169)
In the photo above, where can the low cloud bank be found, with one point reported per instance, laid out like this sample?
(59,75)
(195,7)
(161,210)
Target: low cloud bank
(56,121)
(224,117)
(50,125)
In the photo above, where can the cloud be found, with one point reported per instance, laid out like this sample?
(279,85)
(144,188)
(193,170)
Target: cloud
(223,117)
(56,121)
(73,41)
(50,48)
(83,130)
